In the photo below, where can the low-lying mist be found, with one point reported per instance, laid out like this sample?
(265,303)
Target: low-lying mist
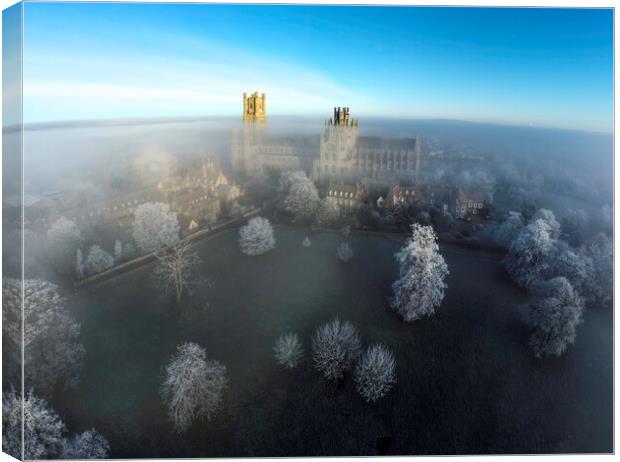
(75,155)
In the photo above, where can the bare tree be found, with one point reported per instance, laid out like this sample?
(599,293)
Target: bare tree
(174,269)
(194,385)
(288,350)
(335,348)
(375,373)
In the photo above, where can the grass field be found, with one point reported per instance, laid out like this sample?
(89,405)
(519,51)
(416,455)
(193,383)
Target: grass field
(467,382)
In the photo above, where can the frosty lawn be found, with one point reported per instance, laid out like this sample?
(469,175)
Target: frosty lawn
(466,380)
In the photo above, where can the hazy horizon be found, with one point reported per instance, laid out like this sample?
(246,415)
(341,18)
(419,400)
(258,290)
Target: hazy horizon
(316,118)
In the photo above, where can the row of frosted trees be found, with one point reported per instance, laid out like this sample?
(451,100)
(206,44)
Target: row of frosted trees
(52,358)
(52,351)
(562,271)
(337,349)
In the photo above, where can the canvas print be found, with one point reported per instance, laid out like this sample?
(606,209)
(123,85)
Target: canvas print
(285,230)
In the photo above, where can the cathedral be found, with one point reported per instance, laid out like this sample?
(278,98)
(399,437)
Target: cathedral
(344,155)
(255,153)
(338,154)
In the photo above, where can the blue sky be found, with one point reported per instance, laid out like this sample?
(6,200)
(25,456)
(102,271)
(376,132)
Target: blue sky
(541,67)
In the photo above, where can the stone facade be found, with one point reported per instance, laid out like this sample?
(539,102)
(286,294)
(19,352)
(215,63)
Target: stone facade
(468,203)
(344,155)
(254,107)
(201,193)
(338,154)
(192,191)
(460,203)
(347,196)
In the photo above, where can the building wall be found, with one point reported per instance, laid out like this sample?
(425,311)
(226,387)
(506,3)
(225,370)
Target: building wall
(340,155)
(342,158)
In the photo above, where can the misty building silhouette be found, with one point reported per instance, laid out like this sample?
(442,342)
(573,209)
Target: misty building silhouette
(339,153)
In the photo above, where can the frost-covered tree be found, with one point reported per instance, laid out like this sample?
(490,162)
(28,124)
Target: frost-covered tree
(336,346)
(509,229)
(306,242)
(44,432)
(375,373)
(485,182)
(193,387)
(63,240)
(34,251)
(52,352)
(367,216)
(209,220)
(601,281)
(301,198)
(237,210)
(118,251)
(86,445)
(129,251)
(527,255)
(606,217)
(98,260)
(256,238)
(43,429)
(328,212)
(549,218)
(288,178)
(174,269)
(288,350)
(422,269)
(575,266)
(344,252)
(155,226)
(574,227)
(79,264)
(553,312)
